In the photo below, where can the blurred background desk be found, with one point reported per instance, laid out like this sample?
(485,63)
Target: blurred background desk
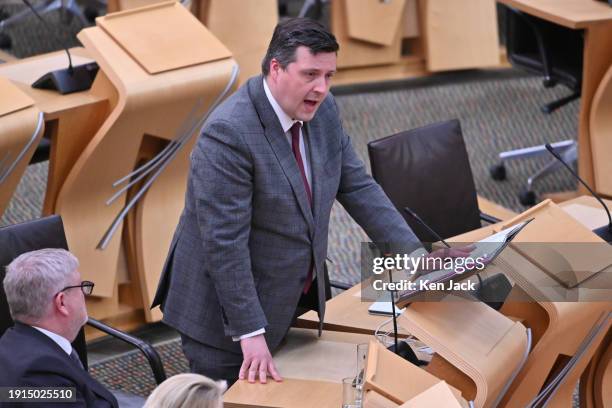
(595,18)
(139,119)
(70,120)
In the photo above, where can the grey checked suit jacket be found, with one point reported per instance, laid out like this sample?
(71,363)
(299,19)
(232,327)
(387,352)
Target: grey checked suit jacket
(246,237)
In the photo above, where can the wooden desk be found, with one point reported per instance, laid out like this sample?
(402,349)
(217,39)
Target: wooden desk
(21,127)
(347,313)
(377,43)
(70,120)
(287,394)
(312,370)
(558,327)
(595,18)
(596,381)
(144,92)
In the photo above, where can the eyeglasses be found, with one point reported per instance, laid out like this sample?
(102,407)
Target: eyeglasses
(86,287)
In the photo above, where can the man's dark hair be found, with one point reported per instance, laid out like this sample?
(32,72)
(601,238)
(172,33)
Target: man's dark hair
(291,34)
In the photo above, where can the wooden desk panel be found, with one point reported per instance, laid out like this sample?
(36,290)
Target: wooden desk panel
(287,394)
(346,312)
(312,368)
(569,13)
(70,120)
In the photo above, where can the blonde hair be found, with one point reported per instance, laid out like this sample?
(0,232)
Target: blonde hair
(187,390)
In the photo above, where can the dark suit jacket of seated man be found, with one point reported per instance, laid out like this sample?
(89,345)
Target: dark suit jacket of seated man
(31,359)
(257,209)
(44,289)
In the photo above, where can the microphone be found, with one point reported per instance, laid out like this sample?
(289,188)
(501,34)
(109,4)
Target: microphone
(486,284)
(67,80)
(402,349)
(605,231)
(392,293)
(427,227)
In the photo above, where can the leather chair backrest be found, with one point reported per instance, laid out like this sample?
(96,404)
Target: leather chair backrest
(17,239)
(427,169)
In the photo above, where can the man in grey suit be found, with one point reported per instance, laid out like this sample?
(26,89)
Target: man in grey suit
(252,239)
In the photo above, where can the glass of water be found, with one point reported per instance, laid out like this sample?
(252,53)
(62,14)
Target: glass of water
(362,354)
(350,394)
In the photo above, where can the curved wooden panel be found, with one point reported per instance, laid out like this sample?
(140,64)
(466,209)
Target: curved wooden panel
(154,105)
(596,380)
(601,135)
(21,128)
(356,53)
(559,328)
(159,212)
(603,379)
(374,21)
(479,343)
(248,41)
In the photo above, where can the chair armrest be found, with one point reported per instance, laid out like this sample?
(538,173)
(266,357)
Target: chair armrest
(149,352)
(489,218)
(340,285)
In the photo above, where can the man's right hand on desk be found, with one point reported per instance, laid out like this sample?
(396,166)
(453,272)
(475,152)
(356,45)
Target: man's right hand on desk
(257,360)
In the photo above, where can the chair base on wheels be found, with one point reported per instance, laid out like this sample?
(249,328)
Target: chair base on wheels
(554,105)
(568,150)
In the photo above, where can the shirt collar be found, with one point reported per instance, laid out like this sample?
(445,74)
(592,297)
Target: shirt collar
(284,119)
(61,341)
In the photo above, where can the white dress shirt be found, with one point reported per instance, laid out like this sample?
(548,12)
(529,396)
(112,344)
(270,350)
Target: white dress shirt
(286,123)
(61,341)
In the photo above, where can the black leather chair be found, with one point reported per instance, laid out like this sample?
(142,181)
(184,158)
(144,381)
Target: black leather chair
(556,52)
(428,170)
(49,233)
(548,49)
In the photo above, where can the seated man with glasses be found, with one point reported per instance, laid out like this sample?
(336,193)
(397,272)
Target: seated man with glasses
(46,298)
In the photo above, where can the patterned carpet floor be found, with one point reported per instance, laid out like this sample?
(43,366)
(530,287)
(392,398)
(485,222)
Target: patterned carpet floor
(131,372)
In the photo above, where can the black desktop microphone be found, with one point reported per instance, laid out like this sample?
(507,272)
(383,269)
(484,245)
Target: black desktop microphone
(427,227)
(402,349)
(387,254)
(439,238)
(605,231)
(67,80)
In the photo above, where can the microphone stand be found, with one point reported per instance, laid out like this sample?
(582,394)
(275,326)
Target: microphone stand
(67,80)
(605,231)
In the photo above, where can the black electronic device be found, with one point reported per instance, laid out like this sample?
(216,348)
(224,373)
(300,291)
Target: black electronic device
(66,80)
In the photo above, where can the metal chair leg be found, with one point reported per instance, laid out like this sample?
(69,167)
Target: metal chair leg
(569,152)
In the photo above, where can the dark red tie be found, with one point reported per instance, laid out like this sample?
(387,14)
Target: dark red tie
(295,146)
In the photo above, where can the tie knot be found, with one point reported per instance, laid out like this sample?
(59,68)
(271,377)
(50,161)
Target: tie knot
(295,130)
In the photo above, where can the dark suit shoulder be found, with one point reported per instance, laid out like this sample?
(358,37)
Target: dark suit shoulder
(30,358)
(24,350)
